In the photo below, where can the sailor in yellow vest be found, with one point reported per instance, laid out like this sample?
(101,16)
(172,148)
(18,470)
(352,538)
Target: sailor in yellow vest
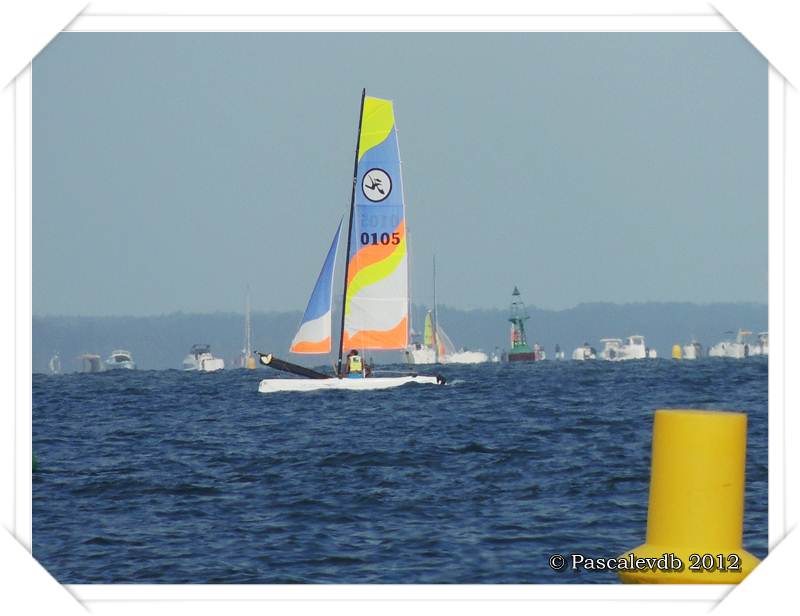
(354,368)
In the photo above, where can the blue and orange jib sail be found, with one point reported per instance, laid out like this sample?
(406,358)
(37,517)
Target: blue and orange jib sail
(314,333)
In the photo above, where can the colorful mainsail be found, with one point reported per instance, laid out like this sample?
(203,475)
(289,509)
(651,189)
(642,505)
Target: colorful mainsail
(314,334)
(376,297)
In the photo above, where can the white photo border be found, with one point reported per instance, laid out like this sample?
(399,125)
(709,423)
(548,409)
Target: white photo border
(97,595)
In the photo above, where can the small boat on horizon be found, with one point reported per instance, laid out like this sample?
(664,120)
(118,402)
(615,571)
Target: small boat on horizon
(584,353)
(200,359)
(733,349)
(120,359)
(91,362)
(693,350)
(633,348)
(761,347)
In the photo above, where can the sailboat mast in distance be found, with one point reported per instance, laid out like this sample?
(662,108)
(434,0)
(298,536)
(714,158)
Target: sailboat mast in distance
(249,359)
(435,317)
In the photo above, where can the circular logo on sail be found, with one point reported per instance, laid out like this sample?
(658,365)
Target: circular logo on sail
(376,185)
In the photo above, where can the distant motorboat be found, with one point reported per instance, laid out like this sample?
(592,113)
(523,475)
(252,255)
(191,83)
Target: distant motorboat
(762,346)
(612,349)
(633,348)
(91,362)
(585,352)
(693,350)
(120,360)
(734,349)
(200,359)
(559,354)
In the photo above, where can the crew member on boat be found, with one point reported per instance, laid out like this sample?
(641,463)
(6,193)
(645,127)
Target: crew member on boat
(356,367)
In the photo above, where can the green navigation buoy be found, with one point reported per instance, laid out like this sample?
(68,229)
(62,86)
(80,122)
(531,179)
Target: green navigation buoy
(35,463)
(520,351)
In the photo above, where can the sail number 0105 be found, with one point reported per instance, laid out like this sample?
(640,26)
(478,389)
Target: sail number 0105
(382,238)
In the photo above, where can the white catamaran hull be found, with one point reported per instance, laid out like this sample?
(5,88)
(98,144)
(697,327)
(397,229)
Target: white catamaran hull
(274,385)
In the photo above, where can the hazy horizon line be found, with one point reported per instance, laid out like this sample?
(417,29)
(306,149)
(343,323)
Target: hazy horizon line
(421,305)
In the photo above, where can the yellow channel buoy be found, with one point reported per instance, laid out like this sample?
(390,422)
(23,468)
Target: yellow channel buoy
(677,353)
(696,508)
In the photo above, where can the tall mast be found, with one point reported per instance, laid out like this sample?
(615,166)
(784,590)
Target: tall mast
(249,361)
(435,317)
(350,231)
(248,348)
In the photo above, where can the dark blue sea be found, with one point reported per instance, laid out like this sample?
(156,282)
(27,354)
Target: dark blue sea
(167,477)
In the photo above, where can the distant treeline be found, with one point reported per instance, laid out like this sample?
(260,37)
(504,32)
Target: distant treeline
(160,342)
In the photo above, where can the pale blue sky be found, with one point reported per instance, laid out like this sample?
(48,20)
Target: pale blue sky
(170,170)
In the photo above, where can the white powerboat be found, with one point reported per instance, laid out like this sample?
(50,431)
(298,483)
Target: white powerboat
(693,350)
(612,349)
(91,362)
(585,352)
(120,359)
(736,349)
(200,359)
(762,346)
(633,348)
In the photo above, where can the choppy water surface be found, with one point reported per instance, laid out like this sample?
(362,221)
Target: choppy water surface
(172,477)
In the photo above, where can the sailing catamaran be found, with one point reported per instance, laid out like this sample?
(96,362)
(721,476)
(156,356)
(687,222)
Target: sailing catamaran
(375,297)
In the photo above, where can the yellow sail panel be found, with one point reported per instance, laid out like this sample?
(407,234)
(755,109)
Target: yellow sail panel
(427,338)
(377,121)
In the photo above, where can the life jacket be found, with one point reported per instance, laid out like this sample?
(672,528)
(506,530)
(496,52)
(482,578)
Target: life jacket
(355,364)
